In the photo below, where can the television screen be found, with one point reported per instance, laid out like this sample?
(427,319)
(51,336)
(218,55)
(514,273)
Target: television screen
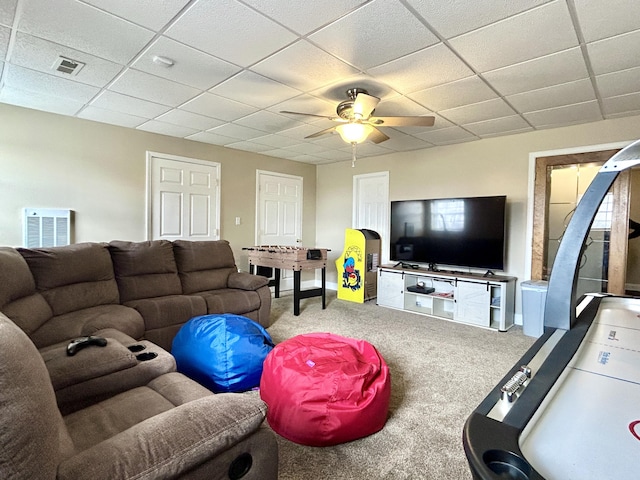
(463,232)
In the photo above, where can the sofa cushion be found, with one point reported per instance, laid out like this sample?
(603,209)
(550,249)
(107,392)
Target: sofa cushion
(89,321)
(145,269)
(73,277)
(19,299)
(203,265)
(231,301)
(170,310)
(32,437)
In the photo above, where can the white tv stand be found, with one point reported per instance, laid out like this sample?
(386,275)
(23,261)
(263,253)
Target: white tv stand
(487,302)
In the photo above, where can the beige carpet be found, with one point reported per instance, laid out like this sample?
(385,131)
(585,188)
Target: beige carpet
(440,371)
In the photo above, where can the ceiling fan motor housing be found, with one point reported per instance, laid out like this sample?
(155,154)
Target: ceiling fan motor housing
(345,109)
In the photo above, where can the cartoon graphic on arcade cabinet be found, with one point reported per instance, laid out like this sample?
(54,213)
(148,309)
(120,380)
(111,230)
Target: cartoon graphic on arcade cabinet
(351,276)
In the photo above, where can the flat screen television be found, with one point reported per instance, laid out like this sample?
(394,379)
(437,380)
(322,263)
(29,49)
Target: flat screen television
(458,232)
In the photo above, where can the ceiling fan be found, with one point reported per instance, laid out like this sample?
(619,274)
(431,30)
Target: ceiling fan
(357,122)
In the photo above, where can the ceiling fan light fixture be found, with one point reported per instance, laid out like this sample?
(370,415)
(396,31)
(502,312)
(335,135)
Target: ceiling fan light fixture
(354,132)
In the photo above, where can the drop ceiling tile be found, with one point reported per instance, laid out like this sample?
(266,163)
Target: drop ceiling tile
(517,38)
(454,94)
(191,67)
(110,116)
(190,120)
(567,115)
(306,148)
(139,11)
(83,27)
(7,12)
(303,130)
(447,136)
(306,16)
(267,121)
(122,103)
(427,68)
(478,112)
(249,146)
(400,105)
(239,132)
(38,82)
(561,67)
(255,90)
(311,159)
(305,104)
(217,107)
(439,123)
(39,101)
(281,153)
(154,89)
(621,104)
(37,54)
(621,17)
(453,18)
(615,53)
(401,142)
(166,129)
(303,66)
(498,126)
(619,83)
(556,96)
(211,138)
(276,141)
(378,43)
(335,155)
(5,34)
(222,28)
(367,149)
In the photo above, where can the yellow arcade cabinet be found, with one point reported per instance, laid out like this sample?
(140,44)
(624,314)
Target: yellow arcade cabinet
(357,266)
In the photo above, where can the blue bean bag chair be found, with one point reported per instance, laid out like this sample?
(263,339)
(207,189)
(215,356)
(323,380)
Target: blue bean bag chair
(223,352)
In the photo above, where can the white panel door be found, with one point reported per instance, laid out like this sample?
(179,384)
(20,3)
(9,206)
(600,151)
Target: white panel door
(279,209)
(279,214)
(184,198)
(371,206)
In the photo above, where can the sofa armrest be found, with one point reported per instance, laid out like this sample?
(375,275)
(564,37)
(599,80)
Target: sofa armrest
(171,443)
(246,281)
(86,364)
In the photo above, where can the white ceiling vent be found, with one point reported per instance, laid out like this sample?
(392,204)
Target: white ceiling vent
(68,66)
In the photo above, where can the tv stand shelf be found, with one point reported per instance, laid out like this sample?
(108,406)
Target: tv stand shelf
(474,299)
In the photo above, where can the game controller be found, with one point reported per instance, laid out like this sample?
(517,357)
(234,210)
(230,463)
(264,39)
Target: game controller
(82,342)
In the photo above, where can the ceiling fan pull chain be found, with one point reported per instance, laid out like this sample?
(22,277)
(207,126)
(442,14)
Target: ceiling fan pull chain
(353,154)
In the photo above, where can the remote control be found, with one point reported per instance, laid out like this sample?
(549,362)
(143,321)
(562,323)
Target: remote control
(82,342)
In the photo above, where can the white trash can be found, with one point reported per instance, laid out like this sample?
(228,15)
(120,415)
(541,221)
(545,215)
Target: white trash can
(534,296)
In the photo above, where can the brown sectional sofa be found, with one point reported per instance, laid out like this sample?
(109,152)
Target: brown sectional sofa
(137,295)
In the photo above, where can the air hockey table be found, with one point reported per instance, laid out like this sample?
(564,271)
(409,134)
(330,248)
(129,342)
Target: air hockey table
(570,408)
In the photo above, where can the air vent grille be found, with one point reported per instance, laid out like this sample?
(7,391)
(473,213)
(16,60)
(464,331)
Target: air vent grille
(68,66)
(46,227)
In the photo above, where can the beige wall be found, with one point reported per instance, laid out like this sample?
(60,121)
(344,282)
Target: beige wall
(495,166)
(99,172)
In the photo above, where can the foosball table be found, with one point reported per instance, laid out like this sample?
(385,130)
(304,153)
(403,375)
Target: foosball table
(294,258)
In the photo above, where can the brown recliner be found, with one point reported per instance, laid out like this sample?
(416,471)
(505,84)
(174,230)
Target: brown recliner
(170,428)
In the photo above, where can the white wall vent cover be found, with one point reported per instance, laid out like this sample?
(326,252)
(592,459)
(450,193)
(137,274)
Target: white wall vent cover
(46,227)
(68,66)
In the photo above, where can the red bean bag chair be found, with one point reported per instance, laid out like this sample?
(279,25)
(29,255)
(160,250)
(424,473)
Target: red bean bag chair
(323,389)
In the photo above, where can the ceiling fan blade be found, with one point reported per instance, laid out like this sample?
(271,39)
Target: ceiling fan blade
(335,119)
(364,105)
(321,132)
(426,121)
(376,136)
